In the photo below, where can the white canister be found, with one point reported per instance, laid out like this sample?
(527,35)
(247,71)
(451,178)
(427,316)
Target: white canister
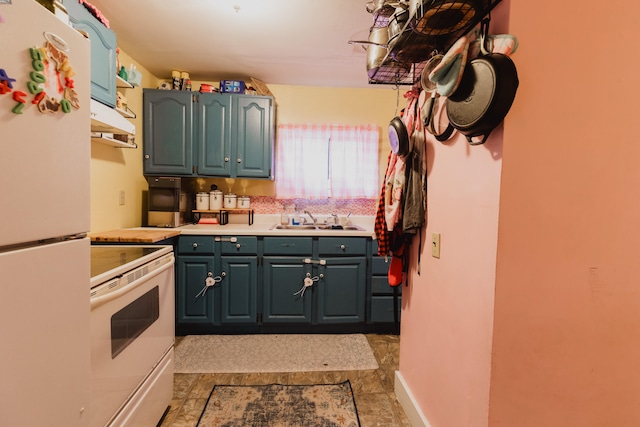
(230,201)
(202,201)
(215,200)
(244,202)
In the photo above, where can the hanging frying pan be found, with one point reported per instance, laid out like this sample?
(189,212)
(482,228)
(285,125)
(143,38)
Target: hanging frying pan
(398,137)
(485,94)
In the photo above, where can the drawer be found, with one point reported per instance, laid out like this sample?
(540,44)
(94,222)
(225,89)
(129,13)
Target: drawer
(382,309)
(380,285)
(342,246)
(232,245)
(189,245)
(380,265)
(288,246)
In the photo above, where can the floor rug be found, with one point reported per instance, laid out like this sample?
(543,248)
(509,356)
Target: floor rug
(273,353)
(275,405)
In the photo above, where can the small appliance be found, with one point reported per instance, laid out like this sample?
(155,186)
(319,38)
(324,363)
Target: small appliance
(167,204)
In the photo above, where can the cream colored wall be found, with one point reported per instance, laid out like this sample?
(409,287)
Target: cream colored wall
(116,169)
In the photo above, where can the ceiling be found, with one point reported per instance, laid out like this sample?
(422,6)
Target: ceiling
(288,42)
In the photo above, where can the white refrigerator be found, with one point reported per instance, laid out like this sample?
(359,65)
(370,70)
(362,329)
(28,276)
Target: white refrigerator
(44,217)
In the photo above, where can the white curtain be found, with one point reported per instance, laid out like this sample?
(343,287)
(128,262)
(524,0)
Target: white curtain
(301,162)
(354,162)
(321,161)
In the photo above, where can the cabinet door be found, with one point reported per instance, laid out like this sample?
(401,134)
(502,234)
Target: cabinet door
(103,52)
(281,300)
(342,290)
(191,276)
(214,134)
(253,136)
(168,132)
(239,289)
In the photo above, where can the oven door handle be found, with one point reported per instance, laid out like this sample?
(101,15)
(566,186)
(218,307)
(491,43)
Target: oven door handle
(103,299)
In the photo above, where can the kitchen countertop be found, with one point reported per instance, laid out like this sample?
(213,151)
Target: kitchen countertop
(263,226)
(137,235)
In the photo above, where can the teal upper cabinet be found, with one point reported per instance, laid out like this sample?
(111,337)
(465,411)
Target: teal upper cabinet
(235,135)
(231,135)
(214,134)
(103,52)
(254,137)
(168,132)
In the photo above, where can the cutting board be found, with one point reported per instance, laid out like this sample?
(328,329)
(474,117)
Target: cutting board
(133,236)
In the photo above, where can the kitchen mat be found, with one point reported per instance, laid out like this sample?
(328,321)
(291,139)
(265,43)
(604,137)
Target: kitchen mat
(273,353)
(281,405)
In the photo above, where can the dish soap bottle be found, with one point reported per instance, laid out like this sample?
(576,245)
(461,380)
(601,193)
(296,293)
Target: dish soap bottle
(296,217)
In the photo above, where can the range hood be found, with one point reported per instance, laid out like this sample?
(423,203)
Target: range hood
(106,123)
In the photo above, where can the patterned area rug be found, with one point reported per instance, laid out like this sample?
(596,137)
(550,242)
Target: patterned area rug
(273,353)
(275,405)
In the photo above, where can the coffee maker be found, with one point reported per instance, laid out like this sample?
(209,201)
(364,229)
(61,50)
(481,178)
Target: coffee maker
(167,204)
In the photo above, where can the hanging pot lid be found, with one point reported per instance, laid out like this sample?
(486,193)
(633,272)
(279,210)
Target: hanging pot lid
(431,64)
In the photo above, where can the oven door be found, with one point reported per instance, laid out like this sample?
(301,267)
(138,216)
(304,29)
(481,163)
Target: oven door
(132,328)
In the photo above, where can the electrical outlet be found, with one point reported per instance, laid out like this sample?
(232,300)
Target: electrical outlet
(435,245)
(121,197)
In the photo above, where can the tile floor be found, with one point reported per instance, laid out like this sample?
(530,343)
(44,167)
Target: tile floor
(373,389)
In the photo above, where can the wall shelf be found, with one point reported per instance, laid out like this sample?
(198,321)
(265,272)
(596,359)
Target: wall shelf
(120,82)
(110,139)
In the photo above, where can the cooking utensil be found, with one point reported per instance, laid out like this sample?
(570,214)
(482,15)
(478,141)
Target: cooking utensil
(485,94)
(398,137)
(376,46)
(440,17)
(429,87)
(397,25)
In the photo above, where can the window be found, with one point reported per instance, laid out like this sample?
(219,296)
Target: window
(322,161)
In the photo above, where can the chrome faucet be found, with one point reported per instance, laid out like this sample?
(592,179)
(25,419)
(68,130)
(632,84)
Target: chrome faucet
(310,216)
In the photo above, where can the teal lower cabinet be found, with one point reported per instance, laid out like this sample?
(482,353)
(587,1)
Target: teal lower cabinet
(285,299)
(239,290)
(382,295)
(341,290)
(281,284)
(195,304)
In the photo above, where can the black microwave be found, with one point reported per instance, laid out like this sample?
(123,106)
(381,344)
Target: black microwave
(167,204)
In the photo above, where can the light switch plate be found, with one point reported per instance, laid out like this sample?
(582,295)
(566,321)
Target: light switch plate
(435,245)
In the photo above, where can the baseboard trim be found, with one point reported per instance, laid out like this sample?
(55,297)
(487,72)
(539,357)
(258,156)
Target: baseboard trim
(408,403)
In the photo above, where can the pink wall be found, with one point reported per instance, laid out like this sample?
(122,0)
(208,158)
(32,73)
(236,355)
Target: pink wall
(532,315)
(447,317)
(567,309)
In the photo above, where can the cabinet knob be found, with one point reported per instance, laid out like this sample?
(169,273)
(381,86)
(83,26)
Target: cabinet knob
(195,245)
(146,157)
(226,159)
(237,245)
(239,160)
(343,247)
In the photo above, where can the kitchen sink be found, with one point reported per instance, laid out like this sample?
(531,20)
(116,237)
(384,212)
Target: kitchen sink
(317,227)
